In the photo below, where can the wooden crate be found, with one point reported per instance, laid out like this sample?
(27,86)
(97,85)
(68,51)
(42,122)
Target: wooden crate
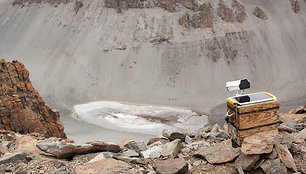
(248,119)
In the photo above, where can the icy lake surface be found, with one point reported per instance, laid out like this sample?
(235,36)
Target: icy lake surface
(146,119)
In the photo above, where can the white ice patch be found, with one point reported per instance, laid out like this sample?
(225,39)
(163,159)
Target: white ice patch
(146,119)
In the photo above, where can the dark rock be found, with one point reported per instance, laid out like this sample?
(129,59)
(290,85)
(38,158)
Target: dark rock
(272,155)
(184,21)
(240,12)
(177,135)
(13,157)
(296,8)
(101,146)
(171,166)
(260,13)
(77,6)
(225,12)
(161,139)
(219,153)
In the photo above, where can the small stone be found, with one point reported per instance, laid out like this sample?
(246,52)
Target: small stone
(219,153)
(138,146)
(188,140)
(272,155)
(172,149)
(102,155)
(260,13)
(300,137)
(246,162)
(283,127)
(197,163)
(172,166)
(166,133)
(285,156)
(129,153)
(152,153)
(161,139)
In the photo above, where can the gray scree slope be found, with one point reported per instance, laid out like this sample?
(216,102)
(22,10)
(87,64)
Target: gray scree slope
(99,54)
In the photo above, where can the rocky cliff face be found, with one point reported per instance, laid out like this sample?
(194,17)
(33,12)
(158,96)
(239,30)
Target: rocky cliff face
(21,107)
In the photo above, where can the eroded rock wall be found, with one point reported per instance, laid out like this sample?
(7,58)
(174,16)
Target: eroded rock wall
(21,107)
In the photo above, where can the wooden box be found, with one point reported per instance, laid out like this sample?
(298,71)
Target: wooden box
(248,119)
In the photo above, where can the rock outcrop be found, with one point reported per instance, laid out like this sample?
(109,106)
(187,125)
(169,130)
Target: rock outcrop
(21,107)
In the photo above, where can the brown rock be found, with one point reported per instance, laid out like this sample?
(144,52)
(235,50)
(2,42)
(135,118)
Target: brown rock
(171,166)
(287,117)
(203,19)
(257,144)
(189,4)
(300,137)
(225,12)
(177,135)
(105,166)
(299,110)
(240,12)
(184,21)
(161,139)
(295,5)
(103,146)
(246,162)
(166,4)
(260,13)
(77,6)
(285,156)
(219,153)
(22,109)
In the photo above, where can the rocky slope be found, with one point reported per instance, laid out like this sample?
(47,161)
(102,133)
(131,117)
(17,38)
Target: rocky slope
(156,52)
(207,150)
(21,107)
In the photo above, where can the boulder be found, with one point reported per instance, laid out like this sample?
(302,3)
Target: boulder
(285,156)
(257,144)
(219,153)
(171,166)
(172,149)
(277,168)
(260,13)
(246,162)
(105,166)
(300,137)
(21,107)
(13,157)
(152,153)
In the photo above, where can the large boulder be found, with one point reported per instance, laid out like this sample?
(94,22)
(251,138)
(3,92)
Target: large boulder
(13,157)
(171,166)
(219,153)
(21,107)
